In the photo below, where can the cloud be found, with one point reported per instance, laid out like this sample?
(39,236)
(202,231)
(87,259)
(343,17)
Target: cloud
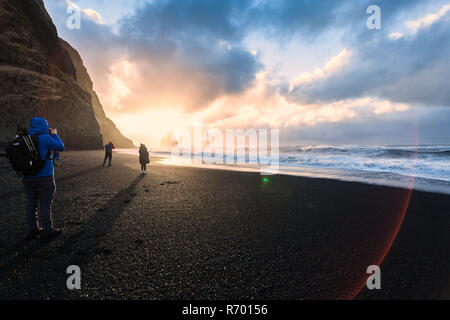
(93,15)
(191,56)
(264,105)
(411,69)
(421,126)
(428,20)
(330,67)
(395,35)
(189,53)
(88,13)
(192,53)
(177,52)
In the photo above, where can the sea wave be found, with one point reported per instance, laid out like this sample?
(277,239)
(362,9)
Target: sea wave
(431,162)
(429,166)
(376,151)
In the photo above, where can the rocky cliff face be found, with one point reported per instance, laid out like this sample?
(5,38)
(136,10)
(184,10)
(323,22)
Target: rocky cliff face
(108,129)
(42,75)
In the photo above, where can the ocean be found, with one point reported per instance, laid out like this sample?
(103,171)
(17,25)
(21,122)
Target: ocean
(425,167)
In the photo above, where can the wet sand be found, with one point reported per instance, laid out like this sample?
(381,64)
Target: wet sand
(189,233)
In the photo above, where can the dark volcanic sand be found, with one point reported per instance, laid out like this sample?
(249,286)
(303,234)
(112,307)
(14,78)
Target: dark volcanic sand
(186,233)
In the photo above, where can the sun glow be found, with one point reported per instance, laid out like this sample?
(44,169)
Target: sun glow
(151,126)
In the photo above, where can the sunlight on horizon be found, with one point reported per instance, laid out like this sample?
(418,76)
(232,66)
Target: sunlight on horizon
(150,127)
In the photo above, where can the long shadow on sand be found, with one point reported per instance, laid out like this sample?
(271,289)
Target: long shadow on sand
(18,192)
(21,250)
(98,224)
(80,247)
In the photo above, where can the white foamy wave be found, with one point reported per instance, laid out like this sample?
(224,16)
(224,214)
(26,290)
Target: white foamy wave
(425,168)
(429,162)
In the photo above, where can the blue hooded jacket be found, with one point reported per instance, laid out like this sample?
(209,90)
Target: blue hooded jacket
(47,142)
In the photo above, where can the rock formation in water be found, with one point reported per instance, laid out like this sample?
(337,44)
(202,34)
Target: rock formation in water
(42,75)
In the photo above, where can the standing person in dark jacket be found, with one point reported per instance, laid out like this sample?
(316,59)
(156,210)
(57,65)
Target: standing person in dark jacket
(40,189)
(144,158)
(108,153)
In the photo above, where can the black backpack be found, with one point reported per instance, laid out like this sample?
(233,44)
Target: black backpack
(23,154)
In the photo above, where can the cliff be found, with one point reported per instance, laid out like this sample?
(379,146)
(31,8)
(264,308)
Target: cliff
(108,129)
(42,75)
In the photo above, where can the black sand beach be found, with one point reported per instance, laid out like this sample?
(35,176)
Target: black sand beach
(186,233)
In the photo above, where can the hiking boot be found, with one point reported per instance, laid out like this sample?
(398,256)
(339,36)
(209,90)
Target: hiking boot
(52,233)
(33,234)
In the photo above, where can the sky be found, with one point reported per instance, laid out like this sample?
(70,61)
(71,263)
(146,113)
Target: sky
(312,69)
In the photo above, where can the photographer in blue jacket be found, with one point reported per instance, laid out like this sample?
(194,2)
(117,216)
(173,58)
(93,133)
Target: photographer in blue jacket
(40,189)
